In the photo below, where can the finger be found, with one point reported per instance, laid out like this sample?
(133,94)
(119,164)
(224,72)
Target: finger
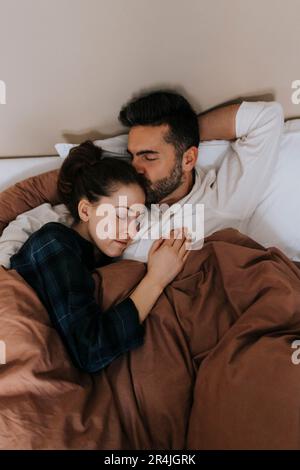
(177,234)
(186,255)
(185,238)
(156,245)
(179,242)
(183,249)
(169,240)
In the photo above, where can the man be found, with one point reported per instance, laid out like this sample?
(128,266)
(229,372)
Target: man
(164,134)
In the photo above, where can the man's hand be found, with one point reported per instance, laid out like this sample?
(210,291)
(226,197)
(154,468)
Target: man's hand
(218,124)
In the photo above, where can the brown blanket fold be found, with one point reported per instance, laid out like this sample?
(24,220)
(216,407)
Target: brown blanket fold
(215,370)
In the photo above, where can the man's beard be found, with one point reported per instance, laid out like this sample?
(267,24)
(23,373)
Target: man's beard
(156,192)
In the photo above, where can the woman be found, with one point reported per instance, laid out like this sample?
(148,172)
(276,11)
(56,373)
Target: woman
(57,261)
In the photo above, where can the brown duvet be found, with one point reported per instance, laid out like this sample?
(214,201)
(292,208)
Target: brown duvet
(215,371)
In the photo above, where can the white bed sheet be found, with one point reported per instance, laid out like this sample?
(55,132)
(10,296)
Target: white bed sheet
(13,170)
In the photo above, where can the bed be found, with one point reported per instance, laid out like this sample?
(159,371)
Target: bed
(214,372)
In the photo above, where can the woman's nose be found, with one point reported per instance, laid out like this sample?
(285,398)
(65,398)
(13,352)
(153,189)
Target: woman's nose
(132,229)
(123,230)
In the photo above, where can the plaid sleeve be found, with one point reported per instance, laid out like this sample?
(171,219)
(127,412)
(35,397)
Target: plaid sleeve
(94,338)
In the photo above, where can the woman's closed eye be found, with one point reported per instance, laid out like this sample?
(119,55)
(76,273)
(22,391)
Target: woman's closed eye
(121,213)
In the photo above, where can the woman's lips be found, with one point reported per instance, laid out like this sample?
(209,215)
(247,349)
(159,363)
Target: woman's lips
(122,242)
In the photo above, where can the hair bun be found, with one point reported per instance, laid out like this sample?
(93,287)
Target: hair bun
(86,154)
(89,149)
(81,159)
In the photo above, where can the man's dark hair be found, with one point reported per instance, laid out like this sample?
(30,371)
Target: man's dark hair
(164,107)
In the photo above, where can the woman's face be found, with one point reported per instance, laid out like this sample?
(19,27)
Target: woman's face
(113,220)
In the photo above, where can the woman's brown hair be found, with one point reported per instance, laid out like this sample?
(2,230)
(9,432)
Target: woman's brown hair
(86,173)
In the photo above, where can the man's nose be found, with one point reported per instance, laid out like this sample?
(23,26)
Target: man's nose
(138,165)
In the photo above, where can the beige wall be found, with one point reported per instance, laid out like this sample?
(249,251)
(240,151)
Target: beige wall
(69,65)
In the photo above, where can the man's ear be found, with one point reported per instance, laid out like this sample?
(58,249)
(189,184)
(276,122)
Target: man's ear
(189,158)
(84,209)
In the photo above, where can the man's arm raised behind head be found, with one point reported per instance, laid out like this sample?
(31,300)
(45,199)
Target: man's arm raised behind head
(218,124)
(26,195)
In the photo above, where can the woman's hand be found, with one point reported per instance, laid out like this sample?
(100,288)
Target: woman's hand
(165,260)
(167,257)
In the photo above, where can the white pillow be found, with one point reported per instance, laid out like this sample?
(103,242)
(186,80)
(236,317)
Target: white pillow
(276,220)
(213,150)
(114,145)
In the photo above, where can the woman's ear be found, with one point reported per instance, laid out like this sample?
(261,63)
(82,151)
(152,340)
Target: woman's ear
(84,210)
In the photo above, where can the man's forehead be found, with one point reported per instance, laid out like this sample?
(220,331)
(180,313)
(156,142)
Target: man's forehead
(146,137)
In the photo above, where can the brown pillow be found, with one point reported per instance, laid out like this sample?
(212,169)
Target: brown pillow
(26,195)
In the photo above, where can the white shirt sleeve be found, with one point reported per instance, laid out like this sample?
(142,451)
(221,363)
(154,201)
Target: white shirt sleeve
(249,163)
